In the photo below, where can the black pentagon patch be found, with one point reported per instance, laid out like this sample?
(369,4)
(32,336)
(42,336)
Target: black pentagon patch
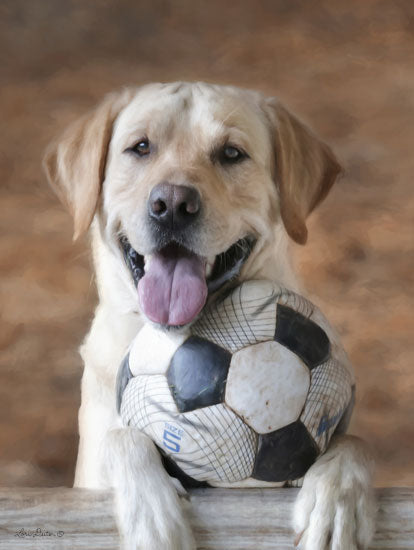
(174,470)
(123,377)
(285,454)
(197,374)
(302,336)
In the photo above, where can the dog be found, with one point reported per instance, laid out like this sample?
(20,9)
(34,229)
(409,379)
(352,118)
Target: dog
(171,177)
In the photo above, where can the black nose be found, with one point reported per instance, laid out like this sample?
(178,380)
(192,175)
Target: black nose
(174,206)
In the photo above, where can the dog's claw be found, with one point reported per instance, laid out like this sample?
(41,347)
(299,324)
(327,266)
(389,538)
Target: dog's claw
(297,539)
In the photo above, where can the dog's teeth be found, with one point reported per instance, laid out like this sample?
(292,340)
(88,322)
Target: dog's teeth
(147,261)
(209,266)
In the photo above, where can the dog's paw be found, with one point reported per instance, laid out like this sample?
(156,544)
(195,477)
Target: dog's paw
(149,511)
(158,526)
(154,520)
(335,509)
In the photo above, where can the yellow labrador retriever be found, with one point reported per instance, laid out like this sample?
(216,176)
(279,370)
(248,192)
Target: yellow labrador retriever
(173,178)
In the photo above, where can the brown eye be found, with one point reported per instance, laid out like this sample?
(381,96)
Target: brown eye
(142,148)
(231,154)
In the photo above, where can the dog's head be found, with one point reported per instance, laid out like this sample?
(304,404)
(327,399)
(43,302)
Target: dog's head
(187,180)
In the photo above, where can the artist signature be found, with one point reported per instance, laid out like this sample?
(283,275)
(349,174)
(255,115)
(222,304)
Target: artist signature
(39,532)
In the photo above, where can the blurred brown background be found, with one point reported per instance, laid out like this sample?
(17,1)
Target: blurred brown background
(347,68)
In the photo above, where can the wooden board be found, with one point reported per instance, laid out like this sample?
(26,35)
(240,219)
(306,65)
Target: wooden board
(223,519)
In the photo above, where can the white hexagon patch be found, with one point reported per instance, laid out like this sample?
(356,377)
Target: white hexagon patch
(152,350)
(267,386)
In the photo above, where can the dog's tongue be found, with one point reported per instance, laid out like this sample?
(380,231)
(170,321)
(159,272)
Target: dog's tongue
(173,290)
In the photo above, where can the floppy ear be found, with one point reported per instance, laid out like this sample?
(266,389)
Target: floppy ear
(306,169)
(75,164)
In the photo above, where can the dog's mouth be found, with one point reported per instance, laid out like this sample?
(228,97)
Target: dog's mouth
(174,283)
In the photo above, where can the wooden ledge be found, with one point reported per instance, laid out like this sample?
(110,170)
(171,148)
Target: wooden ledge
(223,519)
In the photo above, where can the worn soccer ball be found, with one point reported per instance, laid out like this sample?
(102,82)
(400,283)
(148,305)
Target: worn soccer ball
(250,394)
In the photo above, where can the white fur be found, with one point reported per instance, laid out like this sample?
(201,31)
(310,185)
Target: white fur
(335,508)
(146,499)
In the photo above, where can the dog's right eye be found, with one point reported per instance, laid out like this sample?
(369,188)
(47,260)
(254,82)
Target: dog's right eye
(230,154)
(142,148)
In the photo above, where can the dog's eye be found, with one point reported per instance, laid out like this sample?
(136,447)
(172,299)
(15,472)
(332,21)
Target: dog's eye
(231,154)
(142,148)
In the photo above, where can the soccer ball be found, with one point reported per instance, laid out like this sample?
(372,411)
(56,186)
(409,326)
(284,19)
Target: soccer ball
(250,394)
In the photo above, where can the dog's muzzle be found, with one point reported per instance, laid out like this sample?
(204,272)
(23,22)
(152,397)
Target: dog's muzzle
(172,283)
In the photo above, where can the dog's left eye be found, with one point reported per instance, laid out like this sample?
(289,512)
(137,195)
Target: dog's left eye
(231,154)
(141,148)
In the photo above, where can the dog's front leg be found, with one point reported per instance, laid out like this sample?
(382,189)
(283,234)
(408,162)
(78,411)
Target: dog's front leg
(150,514)
(148,509)
(335,508)
(97,415)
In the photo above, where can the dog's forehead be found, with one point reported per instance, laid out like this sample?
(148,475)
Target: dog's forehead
(207,108)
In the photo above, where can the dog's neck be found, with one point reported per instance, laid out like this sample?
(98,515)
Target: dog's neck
(272,261)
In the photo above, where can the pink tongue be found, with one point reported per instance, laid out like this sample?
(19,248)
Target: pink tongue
(173,290)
